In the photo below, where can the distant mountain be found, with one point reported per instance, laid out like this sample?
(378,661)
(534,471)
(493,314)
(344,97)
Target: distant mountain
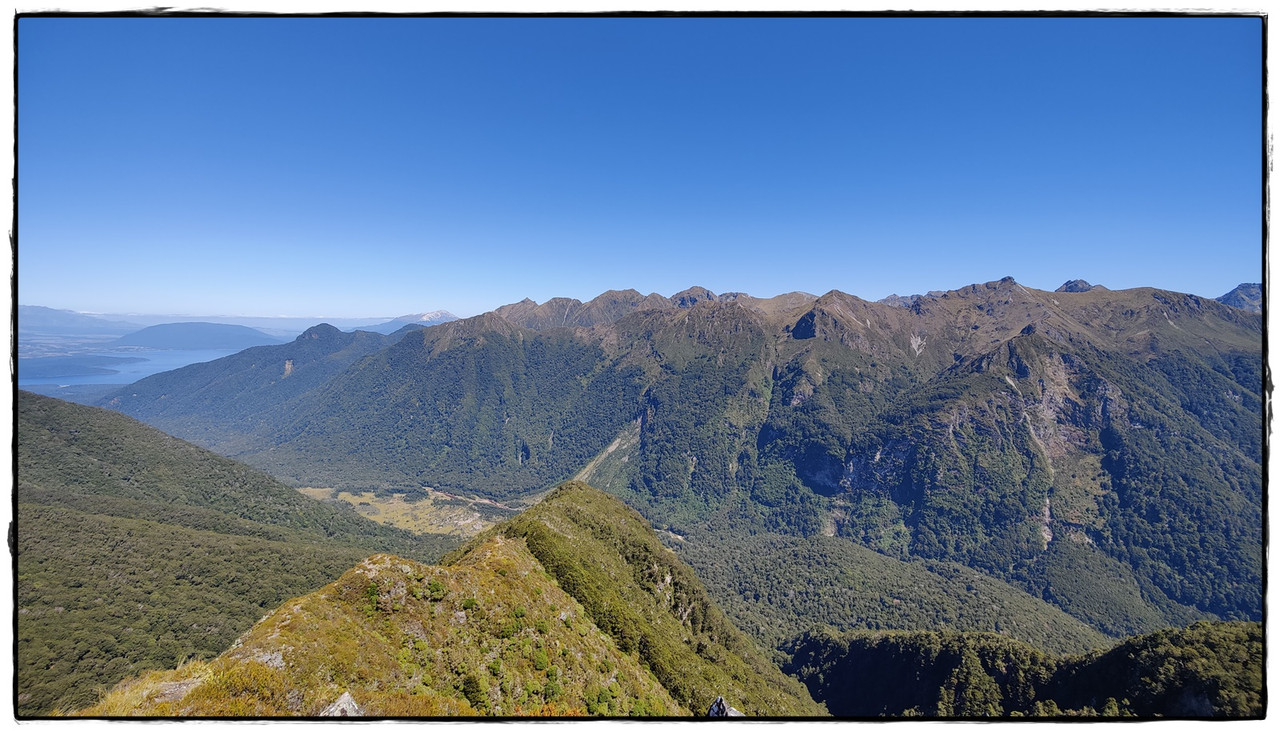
(573,608)
(1244,297)
(136,550)
(1099,451)
(894,300)
(196,336)
(34,319)
(424,319)
(1077,285)
(248,388)
(281,326)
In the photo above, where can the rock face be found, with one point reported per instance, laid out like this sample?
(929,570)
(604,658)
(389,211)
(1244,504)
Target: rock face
(1244,297)
(344,706)
(1074,285)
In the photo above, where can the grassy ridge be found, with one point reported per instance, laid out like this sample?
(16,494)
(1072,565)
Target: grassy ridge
(490,635)
(571,608)
(650,603)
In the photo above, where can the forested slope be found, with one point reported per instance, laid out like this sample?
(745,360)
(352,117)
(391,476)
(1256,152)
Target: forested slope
(1208,669)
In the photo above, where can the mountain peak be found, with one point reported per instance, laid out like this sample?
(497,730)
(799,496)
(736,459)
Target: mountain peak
(1074,285)
(692,296)
(430,317)
(196,336)
(323,331)
(1247,296)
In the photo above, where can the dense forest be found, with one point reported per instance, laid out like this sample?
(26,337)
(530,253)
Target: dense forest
(1207,669)
(774,587)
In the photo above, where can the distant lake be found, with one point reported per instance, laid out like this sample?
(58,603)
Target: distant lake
(116,366)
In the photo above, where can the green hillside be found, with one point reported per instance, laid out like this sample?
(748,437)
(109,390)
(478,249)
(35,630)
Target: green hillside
(1208,669)
(775,587)
(136,550)
(474,407)
(637,591)
(244,389)
(572,608)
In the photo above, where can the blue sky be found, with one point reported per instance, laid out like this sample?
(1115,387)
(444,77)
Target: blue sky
(369,167)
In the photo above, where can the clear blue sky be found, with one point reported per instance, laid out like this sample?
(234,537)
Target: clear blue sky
(360,167)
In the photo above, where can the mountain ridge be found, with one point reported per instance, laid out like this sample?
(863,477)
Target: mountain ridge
(1016,431)
(559,611)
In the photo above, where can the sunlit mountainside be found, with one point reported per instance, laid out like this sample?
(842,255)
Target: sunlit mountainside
(1036,437)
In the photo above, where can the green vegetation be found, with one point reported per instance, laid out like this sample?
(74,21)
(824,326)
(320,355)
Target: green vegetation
(774,587)
(581,611)
(98,461)
(224,403)
(401,648)
(477,407)
(102,597)
(636,591)
(1208,669)
(136,550)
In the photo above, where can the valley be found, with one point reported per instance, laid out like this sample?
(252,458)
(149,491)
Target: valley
(426,511)
(1056,472)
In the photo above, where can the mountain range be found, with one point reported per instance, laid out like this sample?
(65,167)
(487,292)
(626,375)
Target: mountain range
(195,336)
(35,319)
(1097,450)
(1026,491)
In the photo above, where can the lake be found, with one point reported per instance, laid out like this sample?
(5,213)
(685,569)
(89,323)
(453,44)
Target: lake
(115,366)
